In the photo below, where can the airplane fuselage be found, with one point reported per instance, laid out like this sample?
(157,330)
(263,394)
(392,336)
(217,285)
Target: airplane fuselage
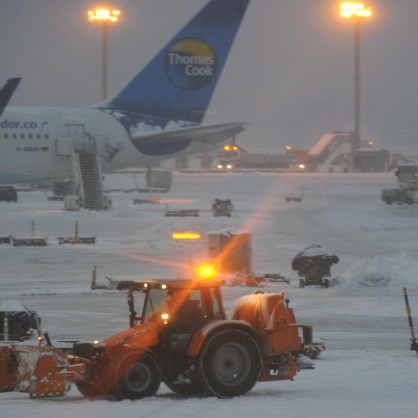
(36,142)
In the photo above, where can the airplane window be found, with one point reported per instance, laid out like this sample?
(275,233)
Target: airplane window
(38,136)
(22,136)
(29,136)
(14,136)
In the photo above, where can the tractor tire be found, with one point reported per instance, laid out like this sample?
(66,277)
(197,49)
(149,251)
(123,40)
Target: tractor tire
(137,377)
(229,364)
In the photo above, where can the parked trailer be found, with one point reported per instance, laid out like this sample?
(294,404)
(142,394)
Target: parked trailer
(182,213)
(76,240)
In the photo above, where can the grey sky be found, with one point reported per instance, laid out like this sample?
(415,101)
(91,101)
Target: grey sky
(290,72)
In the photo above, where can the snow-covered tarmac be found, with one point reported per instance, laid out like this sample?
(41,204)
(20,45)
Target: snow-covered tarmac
(367,369)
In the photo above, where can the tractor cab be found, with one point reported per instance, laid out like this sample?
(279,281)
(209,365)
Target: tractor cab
(174,300)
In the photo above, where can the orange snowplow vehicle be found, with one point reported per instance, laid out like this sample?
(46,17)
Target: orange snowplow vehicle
(181,338)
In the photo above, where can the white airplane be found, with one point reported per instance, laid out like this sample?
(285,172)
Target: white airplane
(158,115)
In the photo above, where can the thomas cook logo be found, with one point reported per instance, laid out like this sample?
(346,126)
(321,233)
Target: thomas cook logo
(190,64)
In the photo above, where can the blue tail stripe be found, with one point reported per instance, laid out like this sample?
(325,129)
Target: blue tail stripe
(7,92)
(179,82)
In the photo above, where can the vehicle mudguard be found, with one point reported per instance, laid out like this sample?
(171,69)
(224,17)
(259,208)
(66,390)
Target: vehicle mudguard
(212,327)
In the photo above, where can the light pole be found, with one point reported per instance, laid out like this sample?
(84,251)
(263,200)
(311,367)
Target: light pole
(356,11)
(104,16)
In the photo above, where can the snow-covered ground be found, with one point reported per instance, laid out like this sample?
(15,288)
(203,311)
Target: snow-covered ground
(367,369)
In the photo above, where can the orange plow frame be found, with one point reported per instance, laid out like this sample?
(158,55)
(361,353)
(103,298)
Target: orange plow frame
(42,371)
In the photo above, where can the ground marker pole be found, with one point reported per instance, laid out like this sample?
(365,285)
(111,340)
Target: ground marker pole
(414,344)
(93,278)
(76,238)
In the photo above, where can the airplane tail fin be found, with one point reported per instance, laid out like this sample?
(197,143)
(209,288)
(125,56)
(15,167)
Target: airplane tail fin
(179,82)
(7,91)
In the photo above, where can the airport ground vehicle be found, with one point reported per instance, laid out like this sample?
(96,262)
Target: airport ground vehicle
(182,338)
(222,207)
(313,265)
(407,190)
(400,196)
(8,194)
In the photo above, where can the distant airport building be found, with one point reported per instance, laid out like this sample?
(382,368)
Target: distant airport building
(371,160)
(334,153)
(264,161)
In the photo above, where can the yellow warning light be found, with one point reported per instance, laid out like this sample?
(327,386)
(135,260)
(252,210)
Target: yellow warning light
(206,272)
(227,148)
(165,317)
(185,235)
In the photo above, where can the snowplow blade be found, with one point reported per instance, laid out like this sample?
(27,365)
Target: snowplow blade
(42,371)
(8,369)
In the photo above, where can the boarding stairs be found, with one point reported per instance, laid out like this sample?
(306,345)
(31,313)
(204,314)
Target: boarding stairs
(91,190)
(88,174)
